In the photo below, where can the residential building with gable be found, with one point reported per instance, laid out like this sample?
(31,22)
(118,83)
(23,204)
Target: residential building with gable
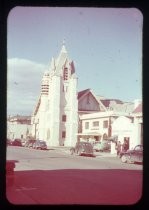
(118,121)
(18,127)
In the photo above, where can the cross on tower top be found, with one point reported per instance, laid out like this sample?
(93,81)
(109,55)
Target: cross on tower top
(63,46)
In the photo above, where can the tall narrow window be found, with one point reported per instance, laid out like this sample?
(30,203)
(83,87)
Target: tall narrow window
(63,134)
(65,74)
(63,118)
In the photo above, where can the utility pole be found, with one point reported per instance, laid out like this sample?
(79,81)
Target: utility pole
(36,123)
(110,127)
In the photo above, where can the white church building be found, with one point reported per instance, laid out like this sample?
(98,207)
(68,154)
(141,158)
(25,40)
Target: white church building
(55,117)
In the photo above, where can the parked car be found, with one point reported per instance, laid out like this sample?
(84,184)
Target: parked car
(29,143)
(82,148)
(40,144)
(133,156)
(17,142)
(102,146)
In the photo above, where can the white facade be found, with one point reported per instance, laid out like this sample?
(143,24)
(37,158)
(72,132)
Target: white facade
(17,131)
(98,125)
(55,118)
(138,124)
(123,127)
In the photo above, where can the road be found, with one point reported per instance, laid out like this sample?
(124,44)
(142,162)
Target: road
(55,177)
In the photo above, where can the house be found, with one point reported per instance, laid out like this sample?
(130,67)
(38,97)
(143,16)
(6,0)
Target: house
(130,128)
(121,122)
(88,103)
(18,127)
(98,125)
(138,124)
(123,128)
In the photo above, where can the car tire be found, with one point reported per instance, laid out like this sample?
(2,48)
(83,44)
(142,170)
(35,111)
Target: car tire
(129,160)
(124,159)
(79,153)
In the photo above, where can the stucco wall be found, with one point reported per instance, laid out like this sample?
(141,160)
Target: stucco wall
(18,130)
(123,127)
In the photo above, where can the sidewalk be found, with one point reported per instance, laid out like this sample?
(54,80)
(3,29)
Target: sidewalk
(105,154)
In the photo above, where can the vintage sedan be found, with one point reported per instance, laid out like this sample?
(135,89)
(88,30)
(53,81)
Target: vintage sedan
(40,144)
(133,156)
(82,148)
(102,146)
(29,143)
(17,142)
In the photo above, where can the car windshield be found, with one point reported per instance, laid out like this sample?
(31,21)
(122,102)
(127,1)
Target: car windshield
(87,144)
(40,141)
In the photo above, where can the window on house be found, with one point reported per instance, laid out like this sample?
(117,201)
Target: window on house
(63,134)
(86,125)
(105,124)
(63,118)
(96,123)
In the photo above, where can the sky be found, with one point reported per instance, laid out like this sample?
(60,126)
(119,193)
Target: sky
(104,43)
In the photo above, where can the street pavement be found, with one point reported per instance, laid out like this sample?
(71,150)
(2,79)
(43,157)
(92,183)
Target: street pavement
(98,154)
(69,185)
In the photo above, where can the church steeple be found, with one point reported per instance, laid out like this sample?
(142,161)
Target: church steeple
(52,65)
(61,58)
